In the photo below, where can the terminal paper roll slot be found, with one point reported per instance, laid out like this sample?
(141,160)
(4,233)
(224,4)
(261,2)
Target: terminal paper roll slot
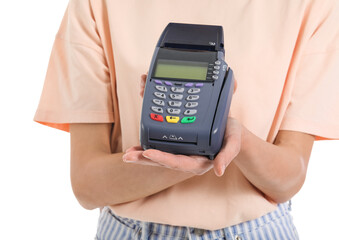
(172,137)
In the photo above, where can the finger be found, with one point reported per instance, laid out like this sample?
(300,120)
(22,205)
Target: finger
(133,156)
(142,84)
(235,85)
(230,149)
(196,164)
(134,148)
(136,157)
(145,162)
(143,78)
(208,164)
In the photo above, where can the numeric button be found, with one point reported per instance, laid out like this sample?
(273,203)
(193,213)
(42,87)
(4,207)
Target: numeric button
(173,110)
(177,89)
(174,103)
(190,112)
(176,96)
(157,109)
(160,95)
(192,97)
(161,88)
(193,90)
(159,102)
(191,104)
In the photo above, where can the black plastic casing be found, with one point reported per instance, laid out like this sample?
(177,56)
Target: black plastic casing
(204,136)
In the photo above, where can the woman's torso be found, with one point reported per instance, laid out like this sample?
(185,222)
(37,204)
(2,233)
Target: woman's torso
(262,44)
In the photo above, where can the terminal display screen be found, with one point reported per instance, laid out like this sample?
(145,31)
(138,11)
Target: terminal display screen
(192,70)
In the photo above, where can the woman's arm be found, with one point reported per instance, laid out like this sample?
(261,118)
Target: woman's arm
(100,178)
(278,169)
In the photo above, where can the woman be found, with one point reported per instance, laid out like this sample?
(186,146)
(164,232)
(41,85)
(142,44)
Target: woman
(284,55)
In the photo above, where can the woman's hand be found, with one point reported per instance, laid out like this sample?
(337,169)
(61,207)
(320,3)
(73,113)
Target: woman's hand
(193,163)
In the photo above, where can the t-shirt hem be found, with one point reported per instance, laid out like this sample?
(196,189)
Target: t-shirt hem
(61,120)
(321,130)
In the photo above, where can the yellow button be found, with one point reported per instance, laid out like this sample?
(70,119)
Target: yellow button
(172,119)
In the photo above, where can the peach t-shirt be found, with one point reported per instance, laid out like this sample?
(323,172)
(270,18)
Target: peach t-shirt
(285,57)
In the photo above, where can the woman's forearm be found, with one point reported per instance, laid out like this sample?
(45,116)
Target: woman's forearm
(107,180)
(279,169)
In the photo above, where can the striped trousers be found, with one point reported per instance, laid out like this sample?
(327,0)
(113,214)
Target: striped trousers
(274,225)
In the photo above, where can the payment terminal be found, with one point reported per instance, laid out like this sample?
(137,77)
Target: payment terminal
(188,92)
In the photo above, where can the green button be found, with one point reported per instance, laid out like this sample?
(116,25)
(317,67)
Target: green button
(188,120)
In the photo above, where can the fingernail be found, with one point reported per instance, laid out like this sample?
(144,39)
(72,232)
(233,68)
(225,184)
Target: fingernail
(146,156)
(223,170)
(126,160)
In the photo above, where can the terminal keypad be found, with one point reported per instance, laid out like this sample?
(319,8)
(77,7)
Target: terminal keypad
(169,97)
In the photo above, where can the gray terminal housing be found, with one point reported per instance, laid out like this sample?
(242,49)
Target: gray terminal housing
(204,136)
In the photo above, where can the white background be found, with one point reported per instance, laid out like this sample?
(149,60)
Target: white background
(36,200)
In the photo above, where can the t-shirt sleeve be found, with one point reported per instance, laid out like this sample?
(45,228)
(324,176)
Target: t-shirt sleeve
(314,104)
(77,87)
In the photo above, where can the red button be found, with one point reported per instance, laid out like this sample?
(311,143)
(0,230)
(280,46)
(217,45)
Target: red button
(157,117)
